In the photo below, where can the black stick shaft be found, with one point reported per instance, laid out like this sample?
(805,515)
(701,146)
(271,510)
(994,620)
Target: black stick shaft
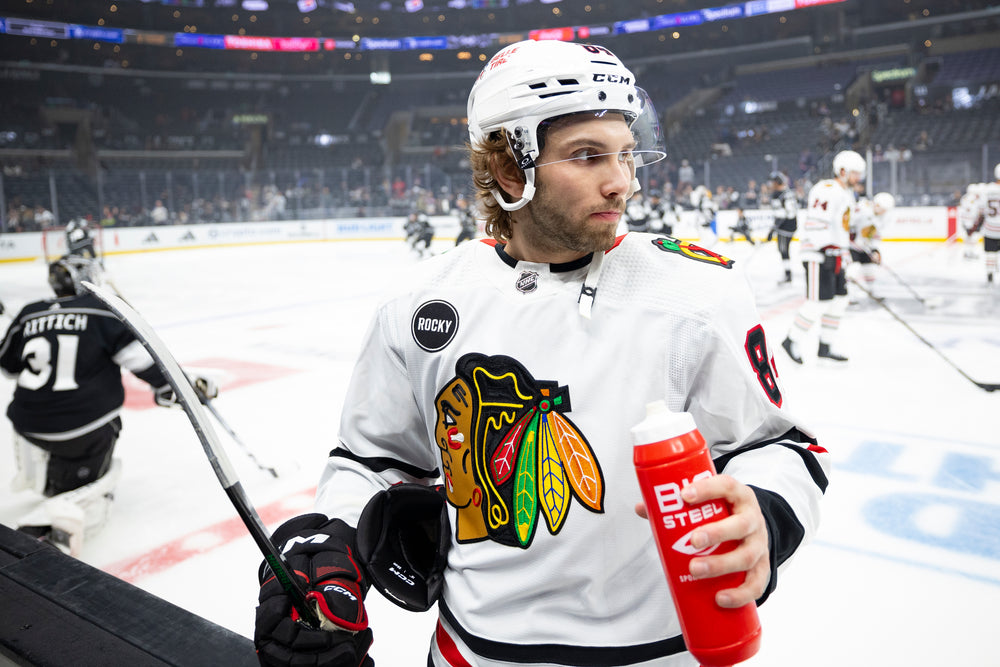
(188,399)
(982,385)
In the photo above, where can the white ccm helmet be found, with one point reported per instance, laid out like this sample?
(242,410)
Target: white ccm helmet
(849,161)
(533,81)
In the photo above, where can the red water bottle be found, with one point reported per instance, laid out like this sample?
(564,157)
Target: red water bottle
(669,454)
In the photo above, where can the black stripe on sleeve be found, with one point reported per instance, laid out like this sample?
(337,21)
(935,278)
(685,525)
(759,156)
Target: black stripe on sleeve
(793,436)
(383,463)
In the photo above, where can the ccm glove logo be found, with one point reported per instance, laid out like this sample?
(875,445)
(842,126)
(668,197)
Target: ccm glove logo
(334,588)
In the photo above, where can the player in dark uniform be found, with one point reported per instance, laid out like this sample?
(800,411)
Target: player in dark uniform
(66,354)
(785,206)
(466,221)
(741,227)
(419,232)
(79,241)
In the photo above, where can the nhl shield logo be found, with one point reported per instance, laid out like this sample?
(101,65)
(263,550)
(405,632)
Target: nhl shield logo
(527,282)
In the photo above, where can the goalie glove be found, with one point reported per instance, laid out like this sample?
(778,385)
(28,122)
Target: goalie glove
(321,552)
(205,388)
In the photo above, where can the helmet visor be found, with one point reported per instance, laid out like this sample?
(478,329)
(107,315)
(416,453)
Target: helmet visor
(648,144)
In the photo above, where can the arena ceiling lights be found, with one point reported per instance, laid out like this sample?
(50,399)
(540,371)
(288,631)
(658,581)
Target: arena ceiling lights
(675,21)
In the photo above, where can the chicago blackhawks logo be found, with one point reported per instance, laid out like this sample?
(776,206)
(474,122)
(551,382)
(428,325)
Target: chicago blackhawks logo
(509,453)
(690,250)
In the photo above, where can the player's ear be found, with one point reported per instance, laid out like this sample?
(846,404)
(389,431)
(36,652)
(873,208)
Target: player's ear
(507,174)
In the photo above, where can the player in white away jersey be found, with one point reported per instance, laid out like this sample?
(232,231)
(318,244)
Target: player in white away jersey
(512,370)
(824,251)
(869,219)
(987,213)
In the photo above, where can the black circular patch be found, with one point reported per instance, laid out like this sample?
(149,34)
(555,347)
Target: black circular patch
(434,325)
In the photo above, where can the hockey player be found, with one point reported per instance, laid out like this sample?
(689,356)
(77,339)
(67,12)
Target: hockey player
(785,207)
(824,251)
(419,233)
(867,222)
(705,210)
(500,366)
(637,214)
(65,354)
(989,207)
(466,220)
(741,227)
(659,221)
(970,216)
(79,241)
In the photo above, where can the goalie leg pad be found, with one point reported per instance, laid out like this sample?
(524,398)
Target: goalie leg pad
(32,464)
(403,541)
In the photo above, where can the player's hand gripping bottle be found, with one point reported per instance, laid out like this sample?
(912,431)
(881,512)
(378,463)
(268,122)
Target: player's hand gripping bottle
(669,454)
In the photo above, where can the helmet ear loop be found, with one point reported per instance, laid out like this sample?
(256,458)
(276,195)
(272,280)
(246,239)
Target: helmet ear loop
(520,146)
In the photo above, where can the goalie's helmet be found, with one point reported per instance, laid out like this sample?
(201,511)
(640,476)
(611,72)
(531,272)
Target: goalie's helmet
(530,82)
(67,274)
(883,202)
(780,178)
(996,172)
(849,162)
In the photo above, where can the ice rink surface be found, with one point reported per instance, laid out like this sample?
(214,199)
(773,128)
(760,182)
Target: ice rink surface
(905,569)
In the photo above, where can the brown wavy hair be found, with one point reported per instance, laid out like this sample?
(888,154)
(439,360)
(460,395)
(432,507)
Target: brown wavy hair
(488,158)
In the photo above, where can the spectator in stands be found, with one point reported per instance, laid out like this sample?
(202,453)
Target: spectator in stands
(159,215)
(748,198)
(924,141)
(44,217)
(108,217)
(685,176)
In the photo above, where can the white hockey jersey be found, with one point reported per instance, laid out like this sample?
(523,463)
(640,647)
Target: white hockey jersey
(970,209)
(866,225)
(827,219)
(989,208)
(486,373)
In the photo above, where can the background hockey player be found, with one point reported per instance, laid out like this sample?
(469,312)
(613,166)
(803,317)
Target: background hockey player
(66,354)
(79,239)
(742,227)
(637,214)
(502,359)
(989,210)
(785,208)
(867,222)
(970,217)
(466,220)
(419,233)
(824,250)
(705,210)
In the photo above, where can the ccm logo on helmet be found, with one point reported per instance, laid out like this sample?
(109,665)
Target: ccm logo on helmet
(613,78)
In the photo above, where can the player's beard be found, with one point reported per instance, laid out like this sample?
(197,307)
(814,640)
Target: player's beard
(556,228)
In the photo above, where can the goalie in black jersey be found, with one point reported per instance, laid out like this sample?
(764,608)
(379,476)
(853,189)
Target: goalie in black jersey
(66,354)
(79,240)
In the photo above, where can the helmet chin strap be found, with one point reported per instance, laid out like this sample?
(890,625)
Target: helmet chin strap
(529,192)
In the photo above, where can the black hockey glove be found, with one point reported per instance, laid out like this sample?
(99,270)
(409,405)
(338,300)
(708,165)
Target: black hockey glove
(403,542)
(320,551)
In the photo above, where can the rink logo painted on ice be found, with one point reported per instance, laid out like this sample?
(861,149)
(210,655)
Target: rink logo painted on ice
(935,497)
(434,325)
(511,458)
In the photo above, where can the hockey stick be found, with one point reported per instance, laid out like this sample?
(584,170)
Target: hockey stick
(188,399)
(982,385)
(229,429)
(924,302)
